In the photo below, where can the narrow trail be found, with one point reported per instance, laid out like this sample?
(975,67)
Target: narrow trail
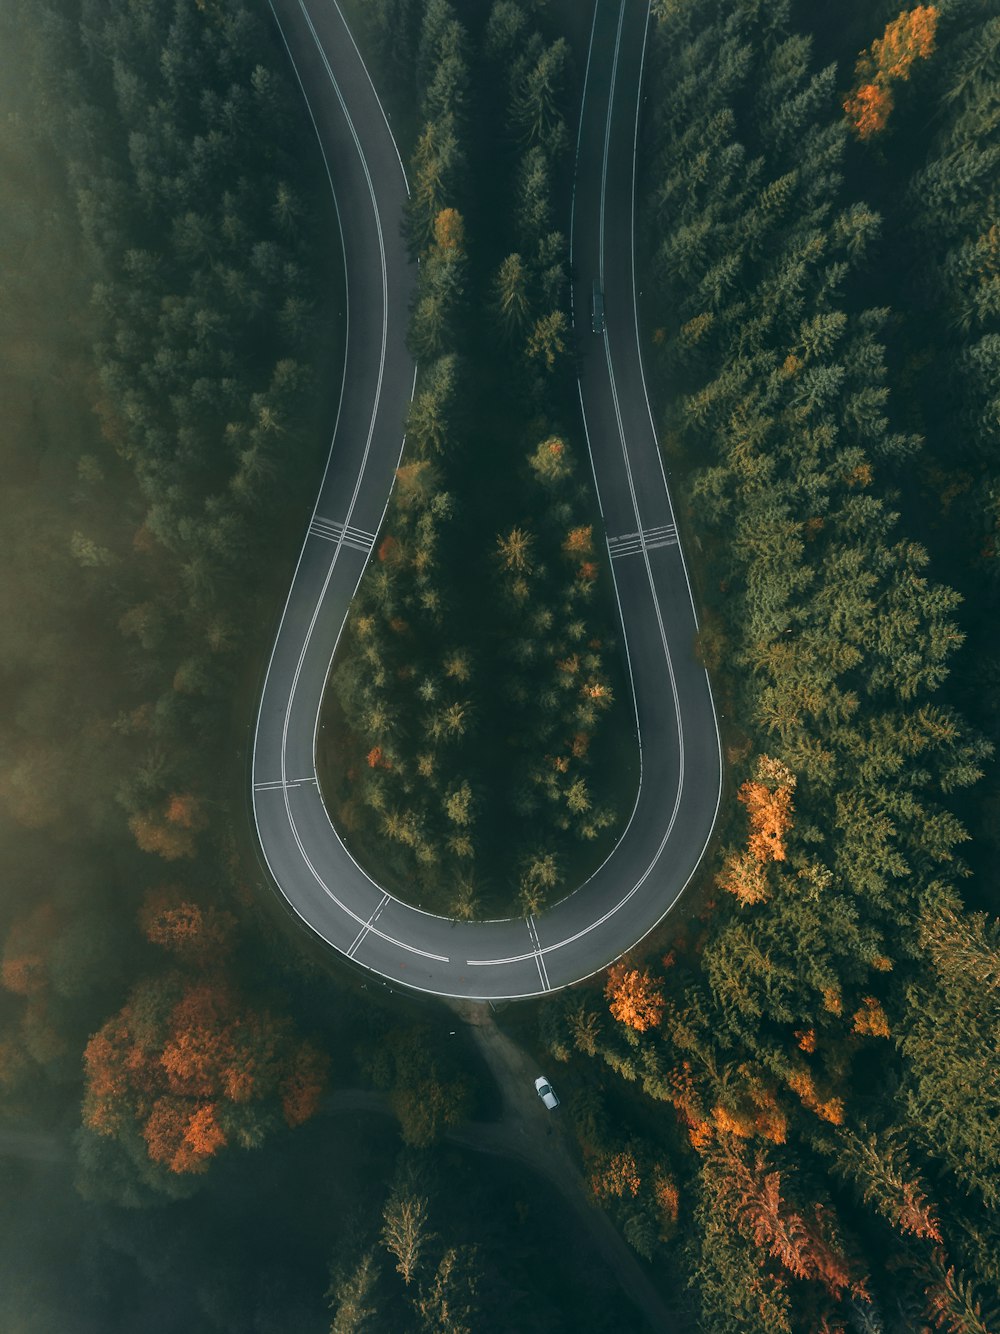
(534,1137)
(526,1133)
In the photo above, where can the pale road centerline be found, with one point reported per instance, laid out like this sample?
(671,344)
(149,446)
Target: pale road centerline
(319,878)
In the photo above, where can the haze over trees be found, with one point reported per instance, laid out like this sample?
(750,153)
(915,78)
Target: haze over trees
(790,1104)
(159,1036)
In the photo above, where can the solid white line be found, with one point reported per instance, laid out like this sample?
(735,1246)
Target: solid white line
(540,953)
(371,84)
(576,164)
(375,404)
(326,889)
(621,428)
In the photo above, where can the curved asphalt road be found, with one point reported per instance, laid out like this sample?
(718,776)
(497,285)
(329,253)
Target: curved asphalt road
(681,767)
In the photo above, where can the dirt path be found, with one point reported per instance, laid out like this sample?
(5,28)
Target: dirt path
(526,1133)
(535,1137)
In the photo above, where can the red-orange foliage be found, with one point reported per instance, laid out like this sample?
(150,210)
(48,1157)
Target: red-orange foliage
(907,38)
(179,924)
(833,1002)
(635,997)
(768,799)
(302,1087)
(870,1019)
(868,109)
(587,572)
(732,1123)
(184,810)
(182,1139)
(579,541)
(388,548)
(806,1038)
(827,1109)
(179,1054)
(916,1215)
(666,1195)
(152,835)
(951,1304)
(749,1194)
(771,1123)
(701,1134)
(171,834)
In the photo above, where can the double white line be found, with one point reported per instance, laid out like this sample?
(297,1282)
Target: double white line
(537,951)
(347,534)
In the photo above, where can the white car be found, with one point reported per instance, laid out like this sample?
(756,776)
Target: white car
(546,1092)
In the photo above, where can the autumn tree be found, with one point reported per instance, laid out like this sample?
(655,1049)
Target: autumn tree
(405,1231)
(908,38)
(170,832)
(191,1067)
(175,920)
(635,997)
(352,1297)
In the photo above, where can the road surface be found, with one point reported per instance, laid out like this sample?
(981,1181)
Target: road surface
(680,770)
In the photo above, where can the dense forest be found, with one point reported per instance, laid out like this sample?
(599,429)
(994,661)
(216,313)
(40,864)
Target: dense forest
(826,1029)
(788,1100)
(474,690)
(166,318)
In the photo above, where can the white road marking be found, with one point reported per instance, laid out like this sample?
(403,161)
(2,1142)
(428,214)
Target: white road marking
(345,533)
(412,949)
(277,784)
(368,925)
(539,959)
(631,544)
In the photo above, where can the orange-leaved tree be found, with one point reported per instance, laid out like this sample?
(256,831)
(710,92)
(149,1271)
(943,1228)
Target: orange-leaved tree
(191,1066)
(170,832)
(635,997)
(908,38)
(767,797)
(748,1190)
(173,919)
